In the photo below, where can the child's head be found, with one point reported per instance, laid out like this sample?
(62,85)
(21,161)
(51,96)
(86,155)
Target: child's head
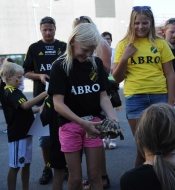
(156,129)
(82,19)
(169,31)
(82,43)
(141,24)
(156,134)
(11,73)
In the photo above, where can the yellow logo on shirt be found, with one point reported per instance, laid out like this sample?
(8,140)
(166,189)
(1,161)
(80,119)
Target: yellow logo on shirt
(41,53)
(154,49)
(21,100)
(93,76)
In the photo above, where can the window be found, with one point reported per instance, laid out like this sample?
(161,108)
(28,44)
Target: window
(105,8)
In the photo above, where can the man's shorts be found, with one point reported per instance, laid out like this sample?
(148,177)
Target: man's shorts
(44,141)
(137,103)
(73,137)
(20,152)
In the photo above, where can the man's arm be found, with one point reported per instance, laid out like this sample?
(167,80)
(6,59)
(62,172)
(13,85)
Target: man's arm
(36,76)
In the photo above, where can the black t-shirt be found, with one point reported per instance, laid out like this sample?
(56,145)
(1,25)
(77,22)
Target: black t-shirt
(50,116)
(19,120)
(173,51)
(81,88)
(39,59)
(2,85)
(140,178)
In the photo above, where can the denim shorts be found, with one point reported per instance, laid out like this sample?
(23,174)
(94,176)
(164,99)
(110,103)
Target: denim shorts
(44,141)
(136,104)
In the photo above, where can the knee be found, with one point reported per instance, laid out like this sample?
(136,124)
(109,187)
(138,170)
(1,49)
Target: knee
(75,180)
(94,176)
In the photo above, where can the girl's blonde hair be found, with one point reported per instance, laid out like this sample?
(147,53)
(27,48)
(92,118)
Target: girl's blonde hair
(85,34)
(130,35)
(9,68)
(156,133)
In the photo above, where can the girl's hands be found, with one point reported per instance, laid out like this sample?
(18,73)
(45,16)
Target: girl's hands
(130,49)
(90,129)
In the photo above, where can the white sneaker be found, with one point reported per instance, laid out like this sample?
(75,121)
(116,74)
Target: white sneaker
(112,144)
(106,142)
(4,131)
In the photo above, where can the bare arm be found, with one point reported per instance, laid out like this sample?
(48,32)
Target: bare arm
(64,110)
(36,76)
(28,104)
(104,53)
(170,78)
(119,69)
(106,106)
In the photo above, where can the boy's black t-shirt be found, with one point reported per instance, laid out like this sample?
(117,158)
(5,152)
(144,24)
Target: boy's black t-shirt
(39,59)
(19,120)
(140,178)
(81,88)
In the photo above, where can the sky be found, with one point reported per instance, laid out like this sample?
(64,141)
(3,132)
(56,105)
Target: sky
(162,9)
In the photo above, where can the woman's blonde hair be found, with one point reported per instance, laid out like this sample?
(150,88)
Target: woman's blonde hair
(156,133)
(130,35)
(85,34)
(82,19)
(9,68)
(87,19)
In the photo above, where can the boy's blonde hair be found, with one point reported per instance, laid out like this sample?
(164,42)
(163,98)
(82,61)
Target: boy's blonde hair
(11,69)
(85,34)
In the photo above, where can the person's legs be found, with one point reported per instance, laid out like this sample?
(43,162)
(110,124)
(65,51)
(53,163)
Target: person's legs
(58,179)
(45,154)
(139,157)
(104,175)
(25,174)
(135,105)
(44,143)
(11,178)
(93,162)
(20,156)
(73,160)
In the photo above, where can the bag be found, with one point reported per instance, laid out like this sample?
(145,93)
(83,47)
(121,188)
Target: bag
(113,94)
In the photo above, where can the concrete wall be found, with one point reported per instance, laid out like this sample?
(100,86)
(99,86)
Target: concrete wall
(17,20)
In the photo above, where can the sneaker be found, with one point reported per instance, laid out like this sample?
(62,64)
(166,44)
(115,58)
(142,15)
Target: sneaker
(46,176)
(4,131)
(66,174)
(112,144)
(106,142)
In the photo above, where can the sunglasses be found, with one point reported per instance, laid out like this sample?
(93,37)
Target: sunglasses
(170,22)
(138,8)
(47,20)
(82,18)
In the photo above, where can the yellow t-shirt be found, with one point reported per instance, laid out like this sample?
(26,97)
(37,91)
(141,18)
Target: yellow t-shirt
(144,73)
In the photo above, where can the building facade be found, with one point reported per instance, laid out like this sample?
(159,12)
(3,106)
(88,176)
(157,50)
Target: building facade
(19,20)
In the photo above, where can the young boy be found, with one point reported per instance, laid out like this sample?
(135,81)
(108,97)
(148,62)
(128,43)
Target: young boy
(19,122)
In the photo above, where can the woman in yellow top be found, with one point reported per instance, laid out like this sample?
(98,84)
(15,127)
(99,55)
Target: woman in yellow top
(144,60)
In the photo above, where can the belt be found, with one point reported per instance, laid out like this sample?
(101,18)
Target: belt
(88,118)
